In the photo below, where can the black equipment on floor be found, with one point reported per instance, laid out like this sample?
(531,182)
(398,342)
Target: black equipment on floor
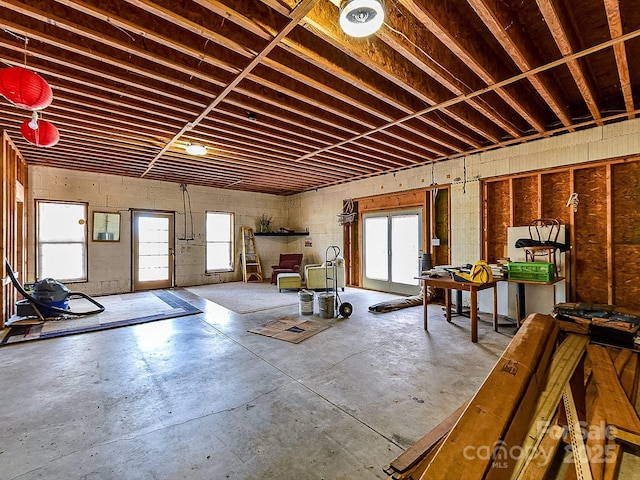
(50,298)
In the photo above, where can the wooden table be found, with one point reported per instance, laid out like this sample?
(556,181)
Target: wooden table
(449,284)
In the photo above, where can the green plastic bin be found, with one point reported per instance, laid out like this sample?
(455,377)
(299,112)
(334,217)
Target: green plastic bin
(531,271)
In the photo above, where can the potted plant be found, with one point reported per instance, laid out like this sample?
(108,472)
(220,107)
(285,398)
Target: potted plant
(264,223)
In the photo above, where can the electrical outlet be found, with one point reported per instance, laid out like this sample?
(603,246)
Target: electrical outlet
(435,242)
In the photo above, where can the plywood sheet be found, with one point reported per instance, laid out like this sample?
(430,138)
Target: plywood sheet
(556,188)
(590,242)
(498,219)
(525,200)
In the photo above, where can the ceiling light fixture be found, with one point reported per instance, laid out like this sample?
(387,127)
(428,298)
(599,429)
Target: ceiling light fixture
(33,124)
(195,149)
(360,18)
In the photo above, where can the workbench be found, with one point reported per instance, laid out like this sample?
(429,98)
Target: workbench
(448,284)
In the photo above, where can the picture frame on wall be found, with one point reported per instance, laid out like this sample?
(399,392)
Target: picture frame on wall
(106,227)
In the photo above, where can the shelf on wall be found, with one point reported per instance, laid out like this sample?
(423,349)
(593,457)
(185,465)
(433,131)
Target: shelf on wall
(280,234)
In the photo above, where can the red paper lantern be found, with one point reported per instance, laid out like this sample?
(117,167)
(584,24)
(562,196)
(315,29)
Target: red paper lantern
(24,88)
(46,135)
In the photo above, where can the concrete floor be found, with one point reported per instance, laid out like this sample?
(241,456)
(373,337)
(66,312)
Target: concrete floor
(199,397)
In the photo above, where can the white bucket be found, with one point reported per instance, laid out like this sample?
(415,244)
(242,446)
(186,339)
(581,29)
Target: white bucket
(306,302)
(325,305)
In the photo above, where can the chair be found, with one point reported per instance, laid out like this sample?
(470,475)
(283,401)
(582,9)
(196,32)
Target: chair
(316,275)
(543,235)
(289,263)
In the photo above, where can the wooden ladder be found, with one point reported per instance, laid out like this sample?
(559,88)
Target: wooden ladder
(251,269)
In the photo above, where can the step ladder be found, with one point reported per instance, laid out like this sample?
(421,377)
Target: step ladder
(251,269)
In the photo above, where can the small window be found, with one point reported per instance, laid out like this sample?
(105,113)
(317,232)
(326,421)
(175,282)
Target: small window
(61,241)
(219,232)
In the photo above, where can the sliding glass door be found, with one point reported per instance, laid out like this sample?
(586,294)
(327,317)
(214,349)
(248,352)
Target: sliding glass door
(392,249)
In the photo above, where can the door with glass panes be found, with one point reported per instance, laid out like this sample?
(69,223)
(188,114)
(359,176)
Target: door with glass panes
(391,251)
(153,249)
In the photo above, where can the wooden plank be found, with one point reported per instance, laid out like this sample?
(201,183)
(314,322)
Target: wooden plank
(418,450)
(563,364)
(418,470)
(596,443)
(624,436)
(626,364)
(619,411)
(486,421)
(542,459)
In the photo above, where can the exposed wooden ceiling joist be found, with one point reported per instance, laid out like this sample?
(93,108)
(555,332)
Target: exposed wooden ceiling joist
(286,102)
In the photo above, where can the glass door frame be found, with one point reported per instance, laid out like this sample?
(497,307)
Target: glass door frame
(136,284)
(388,285)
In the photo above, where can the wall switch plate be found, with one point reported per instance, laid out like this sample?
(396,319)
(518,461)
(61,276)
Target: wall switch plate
(435,242)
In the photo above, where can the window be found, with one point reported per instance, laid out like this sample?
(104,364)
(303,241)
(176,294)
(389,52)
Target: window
(61,231)
(219,232)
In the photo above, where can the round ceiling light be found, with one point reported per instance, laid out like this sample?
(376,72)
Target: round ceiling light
(195,149)
(360,18)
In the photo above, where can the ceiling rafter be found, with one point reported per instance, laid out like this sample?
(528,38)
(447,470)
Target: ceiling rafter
(438,81)
(562,38)
(449,29)
(614,20)
(504,27)
(314,58)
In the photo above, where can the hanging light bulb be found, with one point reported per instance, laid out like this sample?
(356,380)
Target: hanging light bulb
(33,124)
(360,18)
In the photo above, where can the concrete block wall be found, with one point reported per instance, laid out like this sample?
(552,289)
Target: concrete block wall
(464,174)
(110,263)
(317,211)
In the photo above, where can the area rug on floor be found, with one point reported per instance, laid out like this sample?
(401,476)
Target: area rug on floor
(249,297)
(120,310)
(290,329)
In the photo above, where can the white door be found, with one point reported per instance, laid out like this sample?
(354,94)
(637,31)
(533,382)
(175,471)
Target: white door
(153,248)
(392,251)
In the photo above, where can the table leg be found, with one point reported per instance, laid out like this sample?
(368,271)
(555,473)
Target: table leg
(425,303)
(495,308)
(474,315)
(520,300)
(447,304)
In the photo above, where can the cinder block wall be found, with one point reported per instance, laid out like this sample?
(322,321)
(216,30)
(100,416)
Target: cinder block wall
(110,264)
(319,209)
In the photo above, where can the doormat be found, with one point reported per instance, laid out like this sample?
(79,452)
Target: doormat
(290,329)
(120,311)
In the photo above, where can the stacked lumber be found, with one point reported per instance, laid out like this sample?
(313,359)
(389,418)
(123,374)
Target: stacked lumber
(554,406)
(603,323)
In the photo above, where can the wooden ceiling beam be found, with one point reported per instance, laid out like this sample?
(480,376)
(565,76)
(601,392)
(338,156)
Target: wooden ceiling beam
(296,15)
(151,57)
(504,27)
(116,45)
(107,18)
(116,63)
(614,19)
(564,40)
(452,31)
(380,59)
(296,71)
